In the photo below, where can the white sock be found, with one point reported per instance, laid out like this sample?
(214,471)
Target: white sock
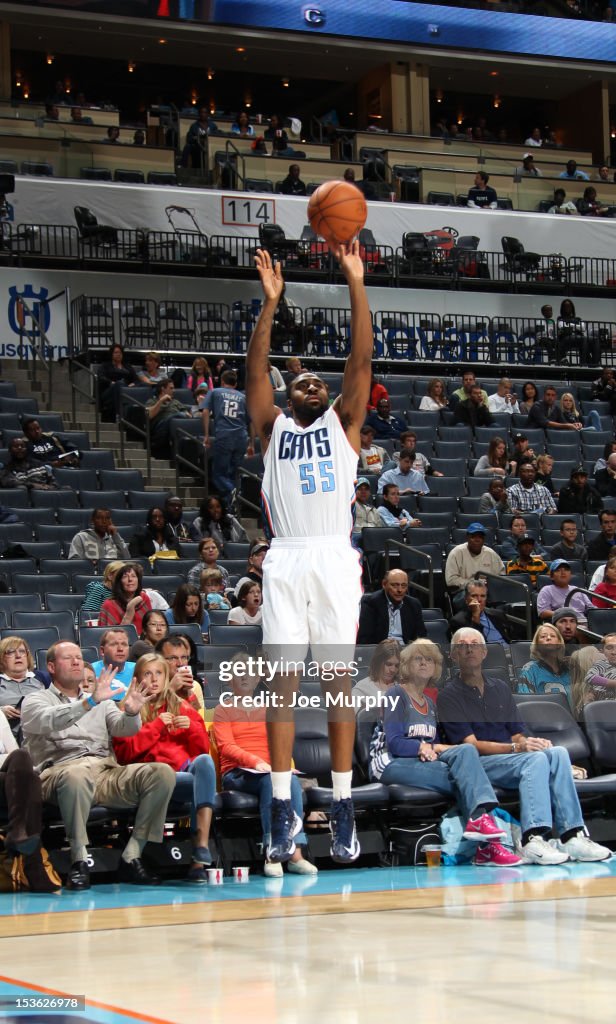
(133,849)
(341,782)
(281,785)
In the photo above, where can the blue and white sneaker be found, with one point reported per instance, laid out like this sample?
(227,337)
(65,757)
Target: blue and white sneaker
(285,826)
(345,845)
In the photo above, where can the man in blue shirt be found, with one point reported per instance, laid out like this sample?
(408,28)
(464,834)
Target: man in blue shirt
(227,407)
(114,649)
(406,479)
(572,174)
(479,709)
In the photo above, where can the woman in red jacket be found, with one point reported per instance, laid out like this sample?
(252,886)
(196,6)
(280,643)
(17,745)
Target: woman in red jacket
(173,733)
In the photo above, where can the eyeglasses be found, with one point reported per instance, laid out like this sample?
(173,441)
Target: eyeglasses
(16,650)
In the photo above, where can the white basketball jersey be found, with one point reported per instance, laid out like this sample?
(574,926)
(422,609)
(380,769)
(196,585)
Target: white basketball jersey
(308,485)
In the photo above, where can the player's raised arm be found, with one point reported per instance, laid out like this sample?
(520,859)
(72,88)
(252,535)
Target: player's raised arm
(259,390)
(351,404)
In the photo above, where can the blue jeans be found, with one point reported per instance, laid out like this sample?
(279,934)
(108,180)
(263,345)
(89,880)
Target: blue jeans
(458,773)
(261,786)
(226,459)
(592,420)
(197,785)
(546,787)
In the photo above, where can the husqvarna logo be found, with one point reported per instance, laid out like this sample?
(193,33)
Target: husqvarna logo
(314,16)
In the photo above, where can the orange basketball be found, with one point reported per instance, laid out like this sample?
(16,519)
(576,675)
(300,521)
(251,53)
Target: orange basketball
(337,211)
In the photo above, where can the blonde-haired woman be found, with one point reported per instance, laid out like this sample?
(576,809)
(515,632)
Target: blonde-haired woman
(547,671)
(580,664)
(173,733)
(571,414)
(435,397)
(406,751)
(18,678)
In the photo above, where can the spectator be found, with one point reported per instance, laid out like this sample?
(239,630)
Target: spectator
(372,457)
(544,465)
(254,564)
(114,654)
(293,185)
(545,337)
(571,172)
(278,137)
(590,206)
(364,512)
(275,377)
(153,629)
(481,196)
(195,149)
(187,608)
(390,511)
(567,547)
(242,126)
(435,397)
(226,406)
(581,662)
(101,540)
(69,740)
(98,590)
(178,651)
(466,561)
(534,139)
(377,391)
(214,521)
(78,118)
(47,447)
(605,479)
(209,553)
(509,547)
(528,496)
(553,596)
(490,622)
(478,709)
(293,368)
(212,588)
(51,112)
(408,439)
(405,751)
(152,372)
(128,603)
(495,463)
(522,453)
(390,613)
(578,495)
(383,672)
(563,205)
(570,414)
(113,135)
(113,374)
(472,411)
(173,733)
(495,498)
(530,393)
(174,514)
(526,561)
(566,621)
(248,611)
(18,678)
(200,373)
(607,588)
(161,410)
(22,471)
(601,462)
(139,137)
(573,335)
(469,381)
(384,424)
(504,400)
(156,539)
(600,548)
(603,174)
(528,169)
(548,670)
(405,478)
(241,739)
(600,679)
(604,387)
(21,804)
(546,413)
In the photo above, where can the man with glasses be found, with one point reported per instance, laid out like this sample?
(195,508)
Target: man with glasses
(479,709)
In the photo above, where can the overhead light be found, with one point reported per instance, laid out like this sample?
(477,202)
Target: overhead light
(494,74)
(162,42)
(18,78)
(210,74)
(439,95)
(50,58)
(240,49)
(26,93)
(285,83)
(496,102)
(131,66)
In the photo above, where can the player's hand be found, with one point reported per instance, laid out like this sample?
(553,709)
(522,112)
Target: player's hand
(272,281)
(350,261)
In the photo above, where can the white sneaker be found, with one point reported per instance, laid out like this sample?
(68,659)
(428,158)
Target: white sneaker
(271,870)
(582,848)
(539,851)
(302,867)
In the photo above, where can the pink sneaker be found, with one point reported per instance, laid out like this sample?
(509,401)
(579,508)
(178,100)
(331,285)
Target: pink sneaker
(483,829)
(495,855)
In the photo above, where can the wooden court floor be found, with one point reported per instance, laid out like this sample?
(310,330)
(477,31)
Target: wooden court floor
(367,945)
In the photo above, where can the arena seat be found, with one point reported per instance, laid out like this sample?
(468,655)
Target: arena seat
(63,621)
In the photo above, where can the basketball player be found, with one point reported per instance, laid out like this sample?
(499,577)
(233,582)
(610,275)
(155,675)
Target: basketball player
(311,572)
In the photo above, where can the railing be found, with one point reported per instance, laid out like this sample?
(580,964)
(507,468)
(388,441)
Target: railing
(77,367)
(397,545)
(144,433)
(183,462)
(498,587)
(38,347)
(588,633)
